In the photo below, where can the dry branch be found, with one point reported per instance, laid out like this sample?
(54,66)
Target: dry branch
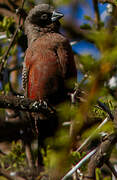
(101,156)
(103,153)
(6,174)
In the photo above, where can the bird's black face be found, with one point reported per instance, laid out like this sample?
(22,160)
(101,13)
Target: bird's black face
(44,18)
(43,14)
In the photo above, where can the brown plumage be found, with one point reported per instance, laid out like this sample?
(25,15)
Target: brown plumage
(49,61)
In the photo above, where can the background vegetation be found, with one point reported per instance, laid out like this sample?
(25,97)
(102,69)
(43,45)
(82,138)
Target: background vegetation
(93,103)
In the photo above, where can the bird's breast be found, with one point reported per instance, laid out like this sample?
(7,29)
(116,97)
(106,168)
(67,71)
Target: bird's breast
(44,78)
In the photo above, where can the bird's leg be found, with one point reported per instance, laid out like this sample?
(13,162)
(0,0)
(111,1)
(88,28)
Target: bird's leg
(29,155)
(27,145)
(36,105)
(40,157)
(36,118)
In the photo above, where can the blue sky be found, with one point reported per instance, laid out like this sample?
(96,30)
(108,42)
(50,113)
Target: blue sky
(84,47)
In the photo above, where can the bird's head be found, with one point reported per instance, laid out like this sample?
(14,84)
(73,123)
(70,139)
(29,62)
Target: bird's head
(44,16)
(40,20)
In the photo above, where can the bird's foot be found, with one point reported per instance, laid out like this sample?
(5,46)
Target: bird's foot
(43,104)
(40,103)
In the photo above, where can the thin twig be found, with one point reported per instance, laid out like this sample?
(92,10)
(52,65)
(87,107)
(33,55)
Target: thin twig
(6,174)
(1,152)
(106,109)
(109,164)
(80,163)
(97,14)
(4,58)
(88,139)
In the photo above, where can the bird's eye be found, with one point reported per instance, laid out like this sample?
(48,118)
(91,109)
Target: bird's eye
(44,16)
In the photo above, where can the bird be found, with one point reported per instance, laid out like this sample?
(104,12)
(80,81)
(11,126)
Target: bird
(48,65)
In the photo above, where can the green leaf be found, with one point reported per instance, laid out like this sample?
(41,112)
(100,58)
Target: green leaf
(89,63)
(85,26)
(98,174)
(86,17)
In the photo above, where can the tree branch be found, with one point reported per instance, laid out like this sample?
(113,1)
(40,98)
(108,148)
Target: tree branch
(101,156)
(109,164)
(97,15)
(103,152)
(25,104)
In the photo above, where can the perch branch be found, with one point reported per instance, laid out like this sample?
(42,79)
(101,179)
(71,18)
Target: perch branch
(25,104)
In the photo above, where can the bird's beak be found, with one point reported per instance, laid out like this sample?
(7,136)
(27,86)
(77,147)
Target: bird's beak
(56,16)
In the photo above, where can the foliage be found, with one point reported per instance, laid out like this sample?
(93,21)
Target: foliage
(3,178)
(76,157)
(98,174)
(80,117)
(7,25)
(15,159)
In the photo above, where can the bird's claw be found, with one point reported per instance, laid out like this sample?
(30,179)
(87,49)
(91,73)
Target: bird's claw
(40,103)
(35,105)
(43,104)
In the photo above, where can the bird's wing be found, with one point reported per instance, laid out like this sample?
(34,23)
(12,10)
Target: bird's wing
(66,59)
